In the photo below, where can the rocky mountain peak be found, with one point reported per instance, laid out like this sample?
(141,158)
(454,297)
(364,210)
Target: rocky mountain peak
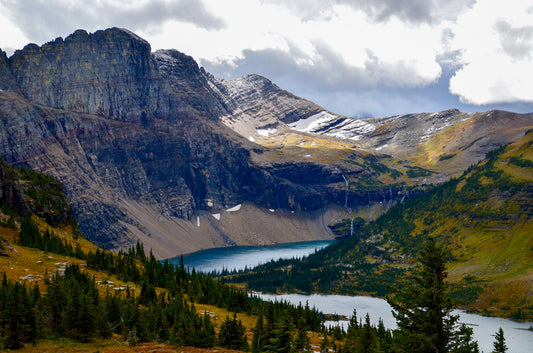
(7,79)
(189,84)
(107,73)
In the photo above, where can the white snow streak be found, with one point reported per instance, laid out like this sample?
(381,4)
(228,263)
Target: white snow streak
(314,122)
(333,125)
(266,132)
(234,209)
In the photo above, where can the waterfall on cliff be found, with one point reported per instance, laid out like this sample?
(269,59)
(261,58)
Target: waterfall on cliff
(348,209)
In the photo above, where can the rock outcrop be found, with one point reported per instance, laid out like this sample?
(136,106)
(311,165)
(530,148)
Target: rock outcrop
(11,193)
(254,102)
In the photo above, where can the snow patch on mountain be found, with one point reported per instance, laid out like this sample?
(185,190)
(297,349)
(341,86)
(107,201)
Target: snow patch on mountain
(266,132)
(234,208)
(329,124)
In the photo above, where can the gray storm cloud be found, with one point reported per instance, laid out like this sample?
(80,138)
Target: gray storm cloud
(516,41)
(414,11)
(42,20)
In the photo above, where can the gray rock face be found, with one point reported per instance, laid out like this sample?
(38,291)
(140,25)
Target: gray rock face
(254,102)
(11,193)
(107,73)
(136,138)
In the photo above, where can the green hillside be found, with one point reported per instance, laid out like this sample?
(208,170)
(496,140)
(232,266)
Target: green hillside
(483,218)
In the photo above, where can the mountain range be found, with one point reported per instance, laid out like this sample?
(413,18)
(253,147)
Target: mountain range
(151,147)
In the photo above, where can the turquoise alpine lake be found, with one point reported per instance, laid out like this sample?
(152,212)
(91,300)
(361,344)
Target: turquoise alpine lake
(239,257)
(518,337)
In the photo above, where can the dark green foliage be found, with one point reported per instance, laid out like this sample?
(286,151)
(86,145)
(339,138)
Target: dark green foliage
(446,156)
(463,341)
(366,338)
(258,339)
(47,198)
(416,172)
(301,342)
(280,329)
(281,342)
(499,342)
(231,334)
(18,323)
(524,163)
(422,308)
(70,305)
(48,241)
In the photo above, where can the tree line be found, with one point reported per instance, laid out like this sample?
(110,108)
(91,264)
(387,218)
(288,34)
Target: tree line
(73,306)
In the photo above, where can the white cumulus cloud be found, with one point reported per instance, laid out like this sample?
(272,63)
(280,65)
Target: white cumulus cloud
(495,40)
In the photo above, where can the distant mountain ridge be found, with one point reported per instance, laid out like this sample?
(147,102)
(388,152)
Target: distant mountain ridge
(150,146)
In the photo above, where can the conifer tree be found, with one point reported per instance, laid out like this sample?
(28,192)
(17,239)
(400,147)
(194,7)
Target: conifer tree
(301,342)
(232,335)
(283,334)
(352,334)
(422,307)
(463,341)
(367,340)
(499,342)
(259,334)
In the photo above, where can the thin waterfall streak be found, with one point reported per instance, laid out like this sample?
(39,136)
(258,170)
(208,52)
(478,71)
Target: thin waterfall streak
(348,209)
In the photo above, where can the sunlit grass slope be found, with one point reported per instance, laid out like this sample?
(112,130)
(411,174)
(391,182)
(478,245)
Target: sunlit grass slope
(485,219)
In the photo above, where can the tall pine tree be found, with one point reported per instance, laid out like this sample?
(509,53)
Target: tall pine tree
(422,308)
(232,334)
(499,342)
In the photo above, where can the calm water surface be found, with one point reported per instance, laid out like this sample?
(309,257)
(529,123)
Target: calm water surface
(238,257)
(518,338)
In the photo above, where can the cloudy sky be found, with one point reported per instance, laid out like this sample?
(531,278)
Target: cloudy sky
(353,57)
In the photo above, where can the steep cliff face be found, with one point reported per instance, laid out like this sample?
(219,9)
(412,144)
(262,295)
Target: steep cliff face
(11,193)
(189,85)
(5,73)
(107,73)
(137,141)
